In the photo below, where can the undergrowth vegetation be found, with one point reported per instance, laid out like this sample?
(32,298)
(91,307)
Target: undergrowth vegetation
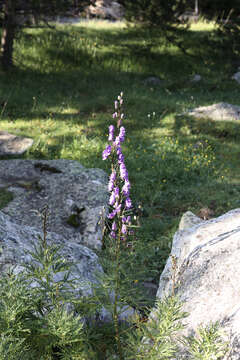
(60,94)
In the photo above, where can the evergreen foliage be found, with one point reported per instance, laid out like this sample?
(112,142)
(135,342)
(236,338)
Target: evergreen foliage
(154,12)
(227,15)
(214,9)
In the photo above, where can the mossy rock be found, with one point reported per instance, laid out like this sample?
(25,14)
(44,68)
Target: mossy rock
(74,220)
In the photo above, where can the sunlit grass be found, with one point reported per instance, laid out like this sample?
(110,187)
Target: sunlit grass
(99,24)
(203,26)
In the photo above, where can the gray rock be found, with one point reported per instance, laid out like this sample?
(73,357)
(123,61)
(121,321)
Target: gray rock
(188,220)
(16,240)
(207,276)
(12,144)
(105,9)
(153,80)
(76,196)
(236,77)
(220,111)
(196,78)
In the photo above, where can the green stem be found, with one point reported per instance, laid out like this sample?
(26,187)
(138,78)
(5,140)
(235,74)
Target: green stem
(115,309)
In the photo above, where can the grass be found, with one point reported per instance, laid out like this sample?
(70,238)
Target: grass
(61,94)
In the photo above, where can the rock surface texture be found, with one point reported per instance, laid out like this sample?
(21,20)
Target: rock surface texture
(220,111)
(76,197)
(105,9)
(16,239)
(236,77)
(207,279)
(12,144)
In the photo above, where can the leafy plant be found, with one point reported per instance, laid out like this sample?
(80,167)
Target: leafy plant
(37,315)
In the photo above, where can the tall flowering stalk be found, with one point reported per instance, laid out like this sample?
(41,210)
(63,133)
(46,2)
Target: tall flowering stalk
(119,201)
(119,185)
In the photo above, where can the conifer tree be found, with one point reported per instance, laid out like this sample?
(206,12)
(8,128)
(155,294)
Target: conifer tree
(154,12)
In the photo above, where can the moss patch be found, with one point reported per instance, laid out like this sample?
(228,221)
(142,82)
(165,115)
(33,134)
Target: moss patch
(5,198)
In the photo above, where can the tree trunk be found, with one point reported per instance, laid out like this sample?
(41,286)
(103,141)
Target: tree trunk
(8,34)
(196,7)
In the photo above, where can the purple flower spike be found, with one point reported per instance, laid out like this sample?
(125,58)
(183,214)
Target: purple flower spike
(116,191)
(128,203)
(110,186)
(117,141)
(126,188)
(122,134)
(113,234)
(112,199)
(119,150)
(112,181)
(106,152)
(124,229)
(123,172)
(112,214)
(117,208)
(114,226)
(120,158)
(111,133)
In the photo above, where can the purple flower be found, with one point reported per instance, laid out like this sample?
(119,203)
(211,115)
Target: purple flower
(128,203)
(111,133)
(112,214)
(129,219)
(122,134)
(117,141)
(112,181)
(124,229)
(116,104)
(121,101)
(116,191)
(114,226)
(119,150)
(106,152)
(120,158)
(112,199)
(126,188)
(114,115)
(113,234)
(123,172)
(117,208)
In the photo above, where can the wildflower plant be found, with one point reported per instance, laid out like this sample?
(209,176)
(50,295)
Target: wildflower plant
(119,185)
(120,212)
